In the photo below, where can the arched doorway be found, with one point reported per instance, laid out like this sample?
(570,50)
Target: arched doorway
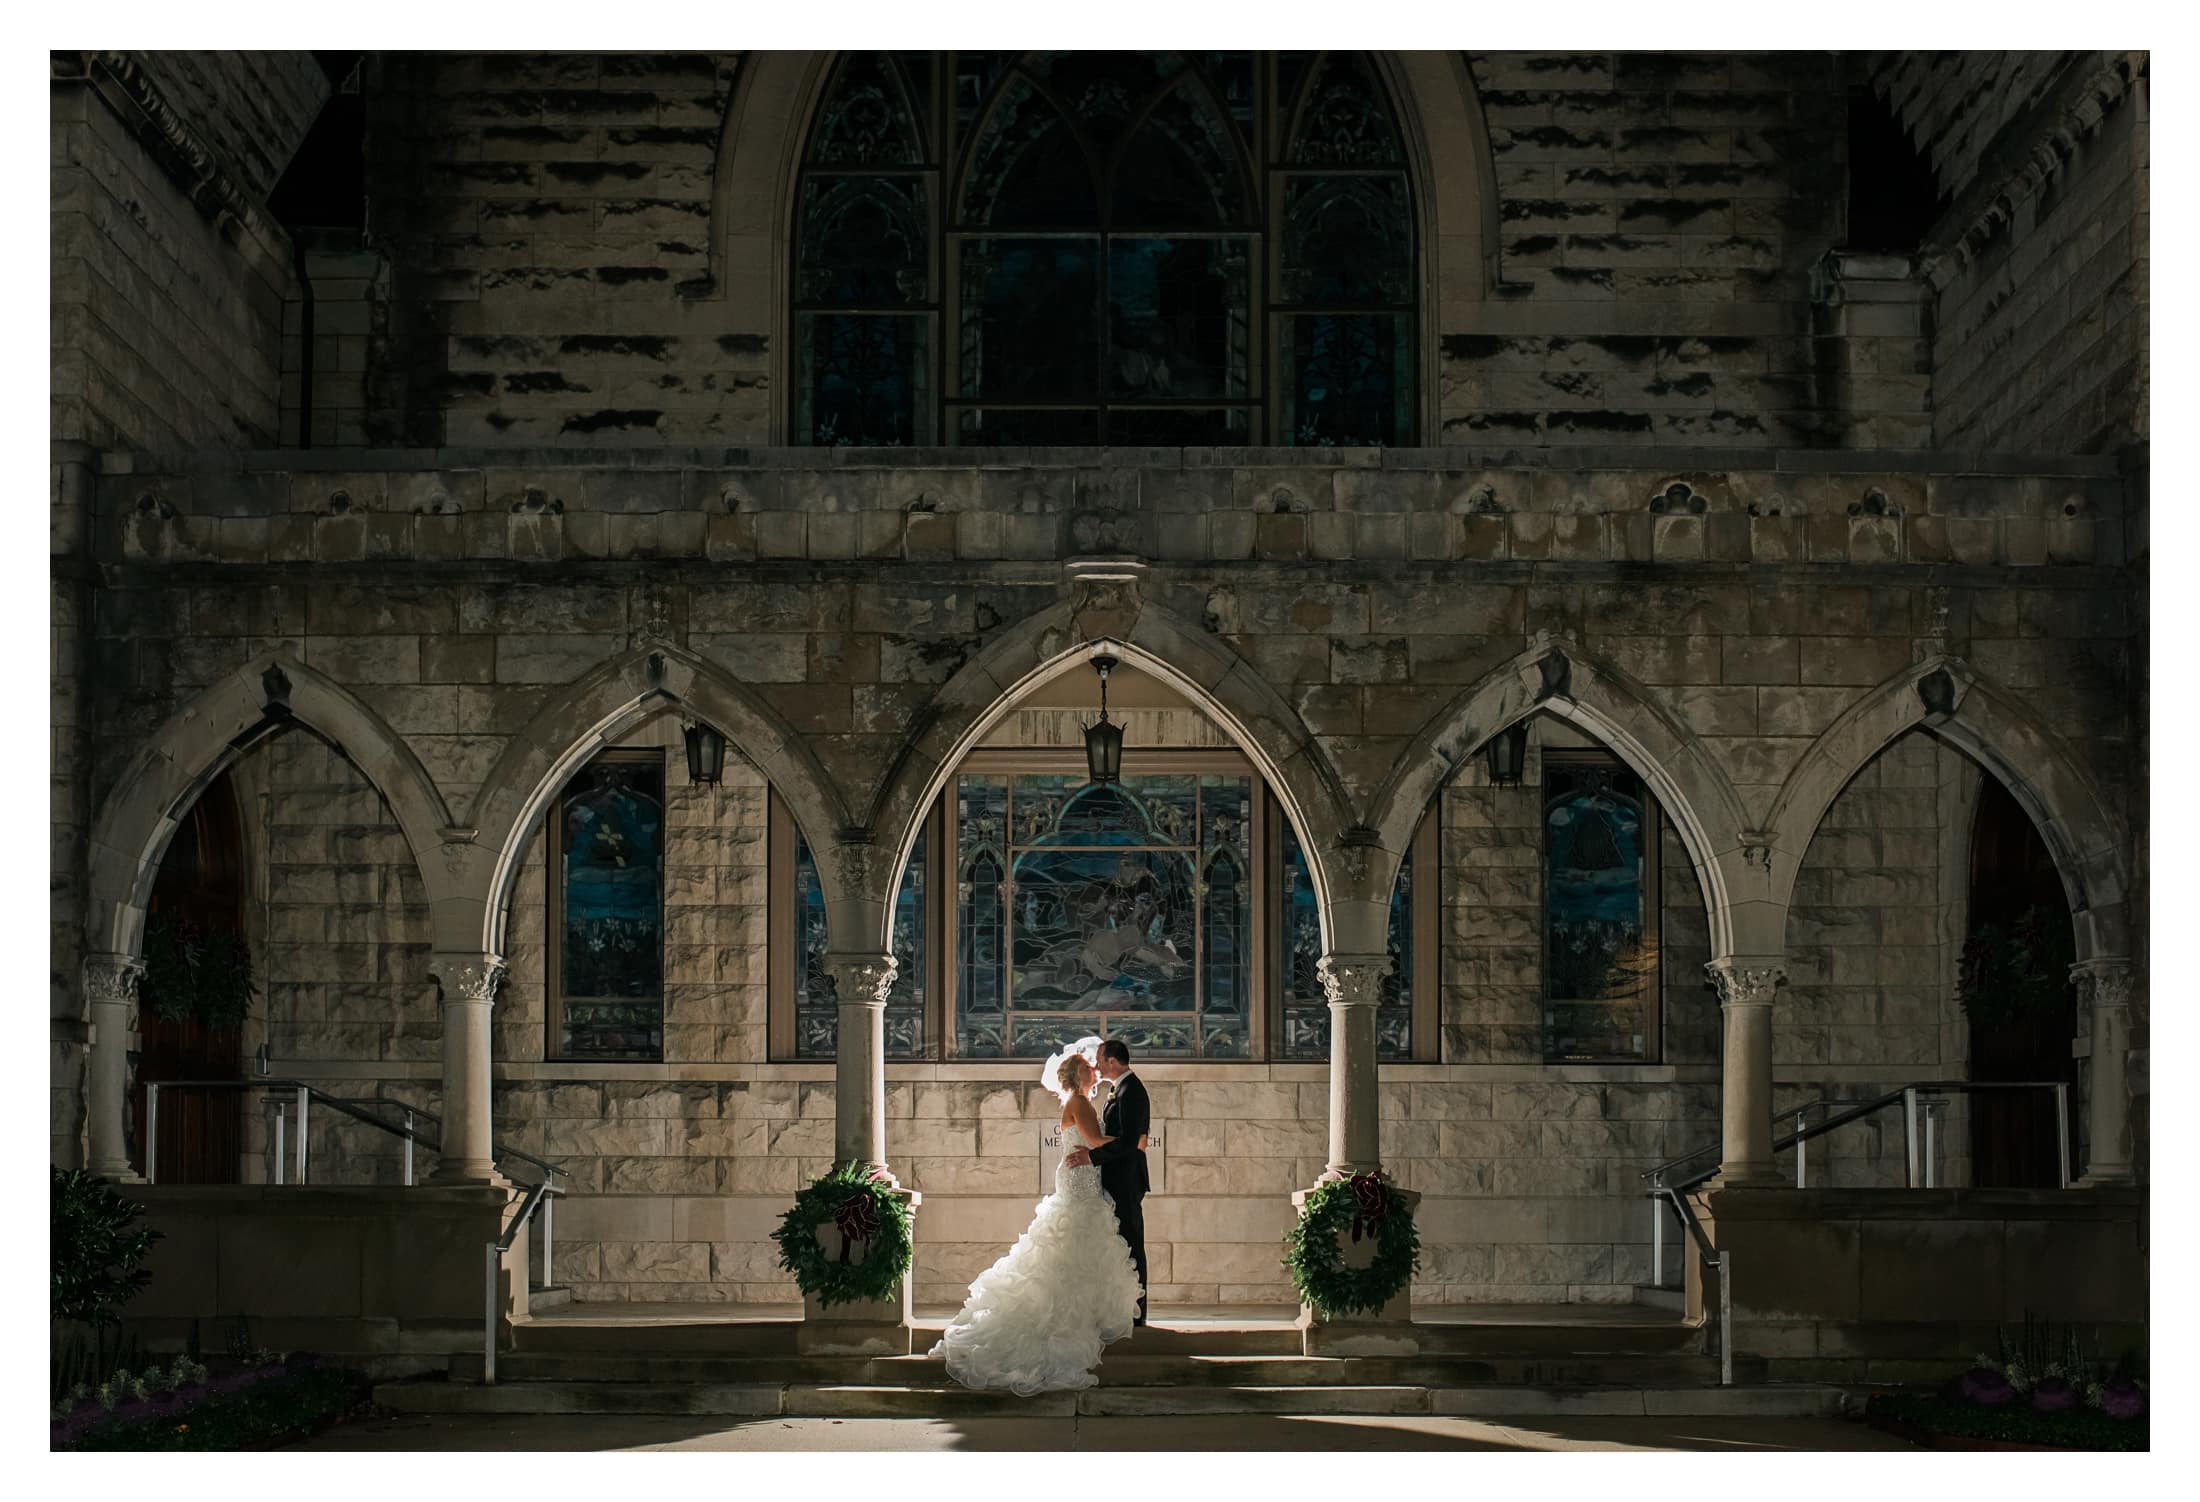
(2020,1006)
(198,899)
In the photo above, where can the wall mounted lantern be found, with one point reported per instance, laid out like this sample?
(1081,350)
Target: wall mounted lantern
(1508,754)
(706,752)
(1103,738)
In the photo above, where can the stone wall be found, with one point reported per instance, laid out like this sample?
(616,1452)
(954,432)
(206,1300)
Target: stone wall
(1659,216)
(546,217)
(252,109)
(167,282)
(456,605)
(2040,266)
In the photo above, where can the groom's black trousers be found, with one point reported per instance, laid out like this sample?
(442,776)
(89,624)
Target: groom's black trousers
(1130,1219)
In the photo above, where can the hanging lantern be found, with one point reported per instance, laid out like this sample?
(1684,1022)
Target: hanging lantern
(1103,738)
(706,750)
(1508,754)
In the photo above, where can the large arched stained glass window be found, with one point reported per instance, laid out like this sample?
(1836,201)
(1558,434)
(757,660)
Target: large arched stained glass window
(1076,248)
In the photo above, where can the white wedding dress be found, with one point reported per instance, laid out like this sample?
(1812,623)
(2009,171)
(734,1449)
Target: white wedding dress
(1038,1319)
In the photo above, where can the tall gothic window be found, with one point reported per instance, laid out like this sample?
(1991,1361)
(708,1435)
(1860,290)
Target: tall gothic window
(1077,248)
(805,1010)
(606,910)
(1405,1020)
(1600,911)
(1171,909)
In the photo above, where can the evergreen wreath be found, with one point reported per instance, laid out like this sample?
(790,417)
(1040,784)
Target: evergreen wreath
(1363,1206)
(864,1208)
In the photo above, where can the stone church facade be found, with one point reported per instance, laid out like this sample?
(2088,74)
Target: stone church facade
(1804,552)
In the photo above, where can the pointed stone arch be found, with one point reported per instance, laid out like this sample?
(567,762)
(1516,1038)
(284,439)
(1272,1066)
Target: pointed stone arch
(776,94)
(198,742)
(1948,698)
(1557,676)
(583,717)
(1060,639)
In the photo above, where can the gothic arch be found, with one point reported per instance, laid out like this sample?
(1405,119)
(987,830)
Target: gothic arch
(1556,676)
(159,785)
(588,714)
(777,93)
(1060,639)
(1947,697)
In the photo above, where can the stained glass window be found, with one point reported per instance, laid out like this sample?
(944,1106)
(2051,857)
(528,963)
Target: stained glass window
(865,293)
(1304,1031)
(607,910)
(1600,915)
(816,1005)
(1124,912)
(1148,248)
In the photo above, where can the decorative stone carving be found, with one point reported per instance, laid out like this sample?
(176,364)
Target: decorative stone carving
(861,979)
(111,979)
(1352,980)
(468,977)
(2107,982)
(1746,983)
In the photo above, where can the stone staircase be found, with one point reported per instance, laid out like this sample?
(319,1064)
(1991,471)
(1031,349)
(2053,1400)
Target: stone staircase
(1626,1360)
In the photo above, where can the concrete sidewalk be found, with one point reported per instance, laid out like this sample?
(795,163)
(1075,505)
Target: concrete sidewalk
(416,1432)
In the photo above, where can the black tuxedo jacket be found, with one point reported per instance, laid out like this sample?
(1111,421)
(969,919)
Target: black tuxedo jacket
(1122,1162)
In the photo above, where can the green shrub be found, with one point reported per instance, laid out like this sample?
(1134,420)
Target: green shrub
(2076,1429)
(193,972)
(281,1408)
(97,1246)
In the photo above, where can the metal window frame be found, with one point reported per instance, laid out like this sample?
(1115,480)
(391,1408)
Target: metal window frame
(1263,161)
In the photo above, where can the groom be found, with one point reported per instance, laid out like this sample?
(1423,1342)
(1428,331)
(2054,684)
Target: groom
(1122,1158)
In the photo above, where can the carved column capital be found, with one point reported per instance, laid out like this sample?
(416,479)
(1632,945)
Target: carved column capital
(112,979)
(467,977)
(2106,981)
(861,979)
(1747,980)
(1353,980)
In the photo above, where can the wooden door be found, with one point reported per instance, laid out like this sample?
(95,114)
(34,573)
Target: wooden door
(2013,1132)
(201,881)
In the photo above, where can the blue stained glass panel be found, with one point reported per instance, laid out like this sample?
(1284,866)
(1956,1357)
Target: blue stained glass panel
(1305,1003)
(1600,960)
(611,921)
(1103,931)
(864,379)
(1347,379)
(816,1005)
(1030,319)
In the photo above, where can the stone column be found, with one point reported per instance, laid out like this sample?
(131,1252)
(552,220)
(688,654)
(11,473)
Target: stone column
(469,981)
(2108,1105)
(860,983)
(878,1327)
(110,994)
(1746,985)
(1354,984)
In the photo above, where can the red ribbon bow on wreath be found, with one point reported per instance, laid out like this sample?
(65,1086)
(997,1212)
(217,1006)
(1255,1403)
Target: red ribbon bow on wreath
(1371,1203)
(856,1219)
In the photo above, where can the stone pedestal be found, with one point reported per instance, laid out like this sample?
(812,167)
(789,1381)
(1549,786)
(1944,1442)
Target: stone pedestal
(874,1327)
(1387,1332)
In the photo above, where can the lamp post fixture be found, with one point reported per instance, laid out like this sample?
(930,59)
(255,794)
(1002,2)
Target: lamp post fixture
(1507,752)
(1103,738)
(706,752)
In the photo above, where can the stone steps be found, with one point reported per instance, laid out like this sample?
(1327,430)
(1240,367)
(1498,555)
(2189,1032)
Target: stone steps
(853,1400)
(1572,1369)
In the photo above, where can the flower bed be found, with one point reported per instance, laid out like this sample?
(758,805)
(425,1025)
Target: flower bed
(246,1408)
(1952,1423)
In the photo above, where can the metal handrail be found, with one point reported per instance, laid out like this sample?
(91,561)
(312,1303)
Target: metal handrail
(538,1197)
(1724,1261)
(1664,1176)
(1668,1188)
(307,1095)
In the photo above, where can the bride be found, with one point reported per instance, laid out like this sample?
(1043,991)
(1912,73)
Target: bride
(1038,1319)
